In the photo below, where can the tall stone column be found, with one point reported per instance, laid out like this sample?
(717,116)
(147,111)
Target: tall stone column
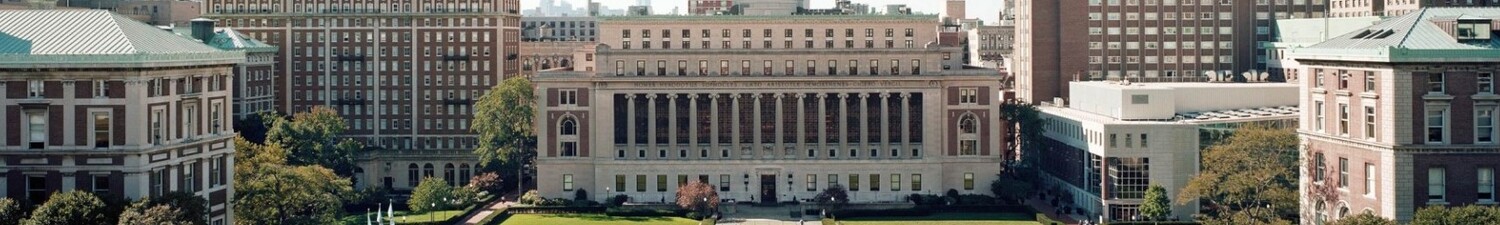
(651,124)
(864,122)
(906,121)
(777,135)
(734,128)
(713,121)
(843,120)
(672,145)
(755,126)
(885,127)
(692,131)
(801,122)
(629,121)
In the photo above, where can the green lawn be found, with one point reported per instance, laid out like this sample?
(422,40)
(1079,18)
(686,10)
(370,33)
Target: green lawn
(591,219)
(948,219)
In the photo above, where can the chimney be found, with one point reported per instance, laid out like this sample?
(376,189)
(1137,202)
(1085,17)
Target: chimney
(203,29)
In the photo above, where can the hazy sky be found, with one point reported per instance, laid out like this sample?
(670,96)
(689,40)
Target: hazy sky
(986,10)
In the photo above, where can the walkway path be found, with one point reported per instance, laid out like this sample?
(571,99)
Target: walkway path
(1042,207)
(493,207)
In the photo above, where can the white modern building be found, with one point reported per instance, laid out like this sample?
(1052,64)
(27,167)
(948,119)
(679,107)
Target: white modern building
(1115,139)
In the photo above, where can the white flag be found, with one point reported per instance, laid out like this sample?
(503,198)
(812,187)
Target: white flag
(377,212)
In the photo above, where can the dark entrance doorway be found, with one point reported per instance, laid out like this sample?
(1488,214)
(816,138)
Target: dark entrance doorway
(768,189)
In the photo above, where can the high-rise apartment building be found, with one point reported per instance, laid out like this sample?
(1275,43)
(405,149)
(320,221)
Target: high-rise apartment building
(1142,41)
(98,102)
(769,109)
(1401,115)
(1358,8)
(404,74)
(709,7)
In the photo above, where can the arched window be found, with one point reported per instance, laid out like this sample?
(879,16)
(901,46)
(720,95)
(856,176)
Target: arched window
(1320,216)
(1343,211)
(427,171)
(569,126)
(464,174)
(413,175)
(968,125)
(448,174)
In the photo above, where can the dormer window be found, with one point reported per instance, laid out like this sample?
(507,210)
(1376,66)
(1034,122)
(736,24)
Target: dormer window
(1472,30)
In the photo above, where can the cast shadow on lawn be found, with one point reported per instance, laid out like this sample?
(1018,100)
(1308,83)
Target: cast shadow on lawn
(600,217)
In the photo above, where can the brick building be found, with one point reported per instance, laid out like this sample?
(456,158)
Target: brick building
(1143,41)
(98,102)
(1400,115)
(404,74)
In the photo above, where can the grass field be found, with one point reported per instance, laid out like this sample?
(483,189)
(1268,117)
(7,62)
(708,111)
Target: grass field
(592,219)
(949,219)
(408,218)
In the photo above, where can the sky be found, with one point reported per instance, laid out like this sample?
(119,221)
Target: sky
(987,10)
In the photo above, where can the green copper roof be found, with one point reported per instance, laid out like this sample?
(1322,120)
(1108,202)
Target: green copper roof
(1413,37)
(95,39)
(229,39)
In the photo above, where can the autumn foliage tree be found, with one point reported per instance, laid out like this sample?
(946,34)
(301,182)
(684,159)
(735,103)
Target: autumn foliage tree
(698,197)
(1322,189)
(833,197)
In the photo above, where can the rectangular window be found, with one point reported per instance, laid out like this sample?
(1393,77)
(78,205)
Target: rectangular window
(1343,172)
(968,181)
(619,183)
(1486,184)
(1318,115)
(189,120)
(853,182)
(1369,179)
(101,89)
(1436,186)
(188,180)
(215,118)
(723,182)
(567,97)
(1435,83)
(874,182)
(1436,125)
(1484,125)
(567,182)
(36,125)
(1370,119)
(1486,82)
(101,185)
(895,182)
(36,188)
(812,182)
(1343,119)
(101,130)
(968,96)
(916,182)
(35,88)
(1370,81)
(661,183)
(640,183)
(215,172)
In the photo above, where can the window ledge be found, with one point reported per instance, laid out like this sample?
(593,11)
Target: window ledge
(1438,202)
(1486,202)
(1369,95)
(1486,96)
(1437,96)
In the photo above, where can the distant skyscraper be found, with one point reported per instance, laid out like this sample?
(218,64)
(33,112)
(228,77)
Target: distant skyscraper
(643,2)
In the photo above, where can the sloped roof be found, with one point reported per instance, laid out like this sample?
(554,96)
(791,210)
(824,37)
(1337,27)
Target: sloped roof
(95,38)
(1315,30)
(229,39)
(1411,37)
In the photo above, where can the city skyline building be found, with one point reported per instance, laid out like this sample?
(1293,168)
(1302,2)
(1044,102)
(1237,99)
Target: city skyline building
(1146,41)
(403,74)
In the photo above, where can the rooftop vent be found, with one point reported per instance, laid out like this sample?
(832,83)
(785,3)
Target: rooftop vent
(1374,34)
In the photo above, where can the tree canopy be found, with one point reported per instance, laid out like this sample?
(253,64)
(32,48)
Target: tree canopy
(313,138)
(144,213)
(833,197)
(1156,206)
(70,208)
(1250,178)
(698,197)
(430,195)
(10,212)
(269,191)
(503,119)
(1026,120)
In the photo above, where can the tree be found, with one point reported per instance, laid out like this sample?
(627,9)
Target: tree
(1156,206)
(1250,178)
(269,191)
(432,194)
(1026,121)
(488,182)
(69,208)
(10,212)
(503,119)
(832,198)
(190,208)
(144,213)
(253,126)
(698,197)
(1011,189)
(1364,219)
(312,138)
(1472,214)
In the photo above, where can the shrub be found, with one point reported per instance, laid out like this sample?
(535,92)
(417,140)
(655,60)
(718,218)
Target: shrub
(907,212)
(488,182)
(581,195)
(69,208)
(975,199)
(10,212)
(951,193)
(621,211)
(618,200)
(531,198)
(429,195)
(925,200)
